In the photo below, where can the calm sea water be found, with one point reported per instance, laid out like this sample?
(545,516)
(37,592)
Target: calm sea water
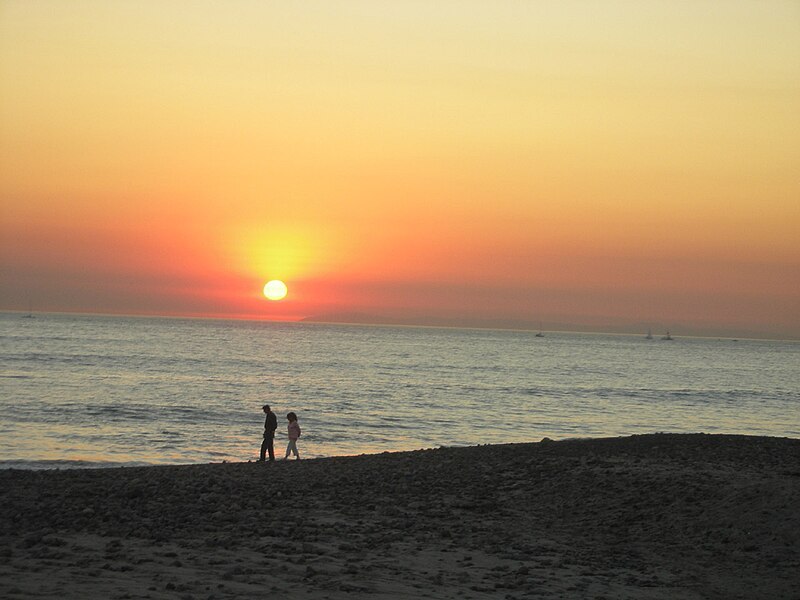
(94,390)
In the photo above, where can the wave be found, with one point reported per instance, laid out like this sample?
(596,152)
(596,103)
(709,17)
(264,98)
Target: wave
(165,392)
(41,465)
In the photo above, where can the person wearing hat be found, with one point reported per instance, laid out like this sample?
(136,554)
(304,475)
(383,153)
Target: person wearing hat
(270,425)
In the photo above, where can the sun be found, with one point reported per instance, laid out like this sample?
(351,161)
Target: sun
(275,290)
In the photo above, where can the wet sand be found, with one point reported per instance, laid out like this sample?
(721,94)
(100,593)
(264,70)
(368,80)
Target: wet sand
(645,517)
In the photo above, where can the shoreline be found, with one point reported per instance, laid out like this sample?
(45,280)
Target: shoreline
(50,465)
(647,516)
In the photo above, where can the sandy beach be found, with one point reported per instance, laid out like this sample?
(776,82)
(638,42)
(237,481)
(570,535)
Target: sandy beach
(653,516)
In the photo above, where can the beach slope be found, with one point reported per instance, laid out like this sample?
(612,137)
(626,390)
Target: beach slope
(651,516)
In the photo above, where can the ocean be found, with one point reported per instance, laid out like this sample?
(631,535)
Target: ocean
(90,391)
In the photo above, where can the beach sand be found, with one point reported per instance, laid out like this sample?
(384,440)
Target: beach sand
(645,517)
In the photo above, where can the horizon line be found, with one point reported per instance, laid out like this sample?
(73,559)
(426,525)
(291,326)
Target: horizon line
(318,320)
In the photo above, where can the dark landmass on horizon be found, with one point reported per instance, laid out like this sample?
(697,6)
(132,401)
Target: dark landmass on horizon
(658,329)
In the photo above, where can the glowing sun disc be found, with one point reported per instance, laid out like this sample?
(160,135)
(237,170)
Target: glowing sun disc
(275,289)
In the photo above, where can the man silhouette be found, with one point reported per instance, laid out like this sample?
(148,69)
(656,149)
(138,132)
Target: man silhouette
(270,425)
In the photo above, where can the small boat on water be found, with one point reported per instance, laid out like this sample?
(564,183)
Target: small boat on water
(30,314)
(649,335)
(667,337)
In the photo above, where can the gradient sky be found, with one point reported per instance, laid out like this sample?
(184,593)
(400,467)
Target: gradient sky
(598,163)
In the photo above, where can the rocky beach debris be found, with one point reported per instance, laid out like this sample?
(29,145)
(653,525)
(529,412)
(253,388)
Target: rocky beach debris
(651,516)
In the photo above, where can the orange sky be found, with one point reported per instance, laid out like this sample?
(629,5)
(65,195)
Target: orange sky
(604,164)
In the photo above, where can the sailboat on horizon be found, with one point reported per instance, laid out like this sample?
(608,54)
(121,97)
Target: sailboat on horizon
(649,335)
(30,314)
(667,337)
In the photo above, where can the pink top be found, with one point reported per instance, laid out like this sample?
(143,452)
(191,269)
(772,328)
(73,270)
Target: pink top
(294,430)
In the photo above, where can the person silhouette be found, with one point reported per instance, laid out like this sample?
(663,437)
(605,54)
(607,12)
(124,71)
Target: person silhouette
(270,425)
(294,433)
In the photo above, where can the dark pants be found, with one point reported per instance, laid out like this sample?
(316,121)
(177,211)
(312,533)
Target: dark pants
(267,445)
